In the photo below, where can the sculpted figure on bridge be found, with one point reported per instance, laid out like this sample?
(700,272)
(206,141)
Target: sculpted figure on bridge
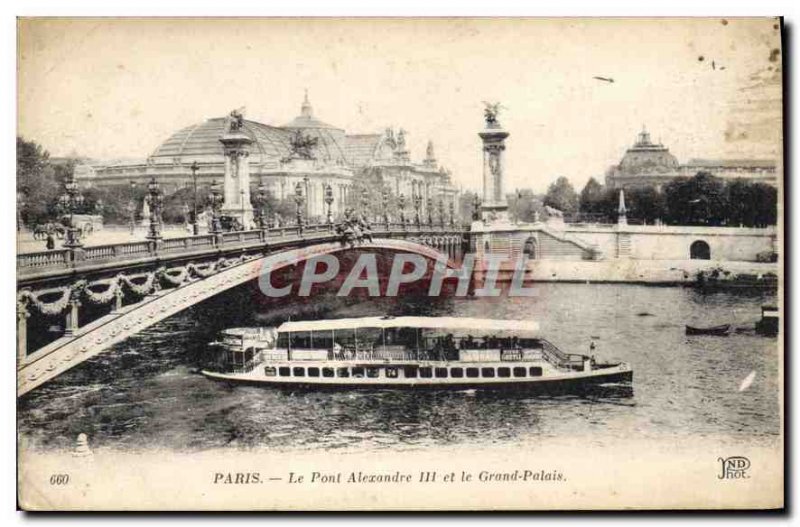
(490,113)
(236,120)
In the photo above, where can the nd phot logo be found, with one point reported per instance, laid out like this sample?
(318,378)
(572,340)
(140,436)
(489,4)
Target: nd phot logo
(734,467)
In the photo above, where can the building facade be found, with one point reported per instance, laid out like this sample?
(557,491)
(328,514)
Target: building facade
(648,164)
(306,150)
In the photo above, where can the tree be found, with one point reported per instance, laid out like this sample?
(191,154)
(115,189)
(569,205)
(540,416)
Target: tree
(591,197)
(765,198)
(700,200)
(645,203)
(466,206)
(524,206)
(562,196)
(36,182)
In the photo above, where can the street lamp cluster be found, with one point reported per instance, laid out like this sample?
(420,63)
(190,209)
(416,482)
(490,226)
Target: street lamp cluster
(69,203)
(155,200)
(215,200)
(299,199)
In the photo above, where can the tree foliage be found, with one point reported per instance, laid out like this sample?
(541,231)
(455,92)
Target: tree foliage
(700,200)
(525,206)
(37,185)
(562,196)
(592,197)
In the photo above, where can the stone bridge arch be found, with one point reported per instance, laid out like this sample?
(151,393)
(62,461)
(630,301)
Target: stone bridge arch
(208,281)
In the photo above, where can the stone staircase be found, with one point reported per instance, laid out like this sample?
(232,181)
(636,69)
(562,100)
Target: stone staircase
(557,246)
(623,245)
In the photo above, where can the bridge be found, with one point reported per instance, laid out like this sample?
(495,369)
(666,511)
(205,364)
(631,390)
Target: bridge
(101,295)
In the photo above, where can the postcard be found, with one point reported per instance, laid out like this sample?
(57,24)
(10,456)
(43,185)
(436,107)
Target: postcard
(400,264)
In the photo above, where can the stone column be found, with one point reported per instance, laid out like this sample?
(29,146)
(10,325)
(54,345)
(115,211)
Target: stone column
(22,332)
(118,298)
(494,204)
(236,146)
(71,323)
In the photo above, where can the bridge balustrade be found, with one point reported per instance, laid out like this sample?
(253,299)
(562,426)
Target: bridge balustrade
(57,257)
(69,258)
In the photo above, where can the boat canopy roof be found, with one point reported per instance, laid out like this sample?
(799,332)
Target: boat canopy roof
(474,325)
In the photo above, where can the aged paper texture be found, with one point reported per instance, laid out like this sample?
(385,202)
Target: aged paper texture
(400,264)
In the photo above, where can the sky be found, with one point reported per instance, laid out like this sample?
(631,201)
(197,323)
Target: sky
(117,88)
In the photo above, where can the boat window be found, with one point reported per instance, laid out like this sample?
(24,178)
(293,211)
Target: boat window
(343,372)
(425,372)
(269,371)
(504,372)
(327,372)
(410,372)
(373,372)
(284,371)
(283,340)
(472,372)
(519,372)
(535,371)
(358,372)
(441,372)
(391,373)
(299,371)
(313,372)
(457,372)
(487,372)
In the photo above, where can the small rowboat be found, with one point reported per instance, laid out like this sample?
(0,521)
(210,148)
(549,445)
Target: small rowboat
(721,330)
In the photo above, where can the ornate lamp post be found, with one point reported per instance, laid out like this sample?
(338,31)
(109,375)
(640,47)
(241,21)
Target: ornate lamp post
(186,218)
(385,205)
(364,202)
(241,200)
(329,202)
(260,202)
(417,205)
(155,200)
(195,226)
(131,208)
(401,205)
(215,201)
(307,194)
(299,199)
(69,203)
(441,211)
(429,209)
(452,213)
(476,208)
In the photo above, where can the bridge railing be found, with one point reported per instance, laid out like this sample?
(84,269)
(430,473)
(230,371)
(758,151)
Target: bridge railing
(58,257)
(68,257)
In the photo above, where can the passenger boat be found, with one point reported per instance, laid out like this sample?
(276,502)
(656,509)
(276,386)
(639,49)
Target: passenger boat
(720,331)
(407,352)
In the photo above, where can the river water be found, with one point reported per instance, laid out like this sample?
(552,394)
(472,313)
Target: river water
(146,392)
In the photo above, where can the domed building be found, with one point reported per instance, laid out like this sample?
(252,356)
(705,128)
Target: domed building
(306,150)
(648,164)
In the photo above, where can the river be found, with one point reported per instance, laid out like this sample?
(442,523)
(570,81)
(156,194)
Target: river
(146,392)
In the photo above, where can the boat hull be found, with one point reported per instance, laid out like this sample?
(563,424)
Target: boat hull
(561,384)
